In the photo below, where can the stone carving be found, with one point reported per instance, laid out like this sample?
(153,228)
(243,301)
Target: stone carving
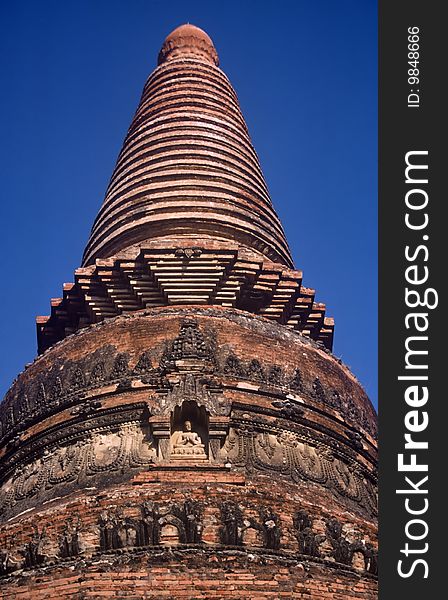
(308,540)
(86,408)
(109,539)
(255,371)
(342,548)
(188,252)
(233,366)
(98,374)
(77,380)
(275,376)
(271,529)
(190,525)
(56,392)
(190,344)
(371,559)
(69,542)
(191,516)
(144,364)
(106,451)
(291,455)
(187,444)
(296,382)
(7,563)
(355,439)
(334,400)
(118,531)
(291,410)
(318,391)
(34,551)
(66,387)
(120,369)
(232,528)
(181,523)
(195,387)
(149,524)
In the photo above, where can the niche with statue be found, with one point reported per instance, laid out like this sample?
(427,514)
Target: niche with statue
(189,438)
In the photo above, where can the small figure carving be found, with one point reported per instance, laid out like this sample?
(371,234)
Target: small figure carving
(369,553)
(56,392)
(318,391)
(187,443)
(275,376)
(233,366)
(69,542)
(342,548)
(149,525)
(144,364)
(77,380)
(255,371)
(371,559)
(33,551)
(271,529)
(296,383)
(232,528)
(190,514)
(109,539)
(335,400)
(309,541)
(98,374)
(127,533)
(7,564)
(120,368)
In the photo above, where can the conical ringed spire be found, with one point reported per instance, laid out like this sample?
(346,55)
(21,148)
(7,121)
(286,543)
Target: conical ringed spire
(187,169)
(187,218)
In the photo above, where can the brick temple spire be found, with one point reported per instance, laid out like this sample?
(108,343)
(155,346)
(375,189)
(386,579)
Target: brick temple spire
(185,431)
(187,218)
(187,167)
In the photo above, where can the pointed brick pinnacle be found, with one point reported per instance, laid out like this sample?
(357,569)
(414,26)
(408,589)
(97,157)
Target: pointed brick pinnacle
(187,168)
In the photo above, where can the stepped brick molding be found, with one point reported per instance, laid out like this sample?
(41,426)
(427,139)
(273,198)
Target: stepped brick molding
(160,277)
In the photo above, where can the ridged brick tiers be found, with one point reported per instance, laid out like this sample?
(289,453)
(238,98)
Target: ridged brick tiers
(187,166)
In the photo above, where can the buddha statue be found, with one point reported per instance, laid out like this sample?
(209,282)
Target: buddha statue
(187,443)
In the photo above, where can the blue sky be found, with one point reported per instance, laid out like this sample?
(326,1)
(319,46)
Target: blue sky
(306,76)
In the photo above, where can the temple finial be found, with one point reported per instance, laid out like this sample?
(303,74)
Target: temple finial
(188,41)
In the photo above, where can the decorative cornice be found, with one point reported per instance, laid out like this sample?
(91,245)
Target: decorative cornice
(162,277)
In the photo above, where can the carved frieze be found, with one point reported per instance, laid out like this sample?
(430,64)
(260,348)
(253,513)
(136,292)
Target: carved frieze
(157,524)
(291,455)
(104,451)
(191,365)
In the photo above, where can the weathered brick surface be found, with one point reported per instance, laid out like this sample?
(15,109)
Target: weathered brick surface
(195,577)
(188,450)
(254,478)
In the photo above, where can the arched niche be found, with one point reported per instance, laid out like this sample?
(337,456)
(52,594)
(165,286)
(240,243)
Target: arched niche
(189,431)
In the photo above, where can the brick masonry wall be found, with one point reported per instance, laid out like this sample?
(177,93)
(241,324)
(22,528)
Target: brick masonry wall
(283,505)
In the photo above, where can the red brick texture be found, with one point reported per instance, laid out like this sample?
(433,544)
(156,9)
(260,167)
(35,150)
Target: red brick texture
(186,431)
(291,458)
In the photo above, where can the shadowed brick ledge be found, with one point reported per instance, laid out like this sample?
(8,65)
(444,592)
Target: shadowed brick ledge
(185,276)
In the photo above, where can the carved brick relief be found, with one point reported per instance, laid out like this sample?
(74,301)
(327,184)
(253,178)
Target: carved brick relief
(155,524)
